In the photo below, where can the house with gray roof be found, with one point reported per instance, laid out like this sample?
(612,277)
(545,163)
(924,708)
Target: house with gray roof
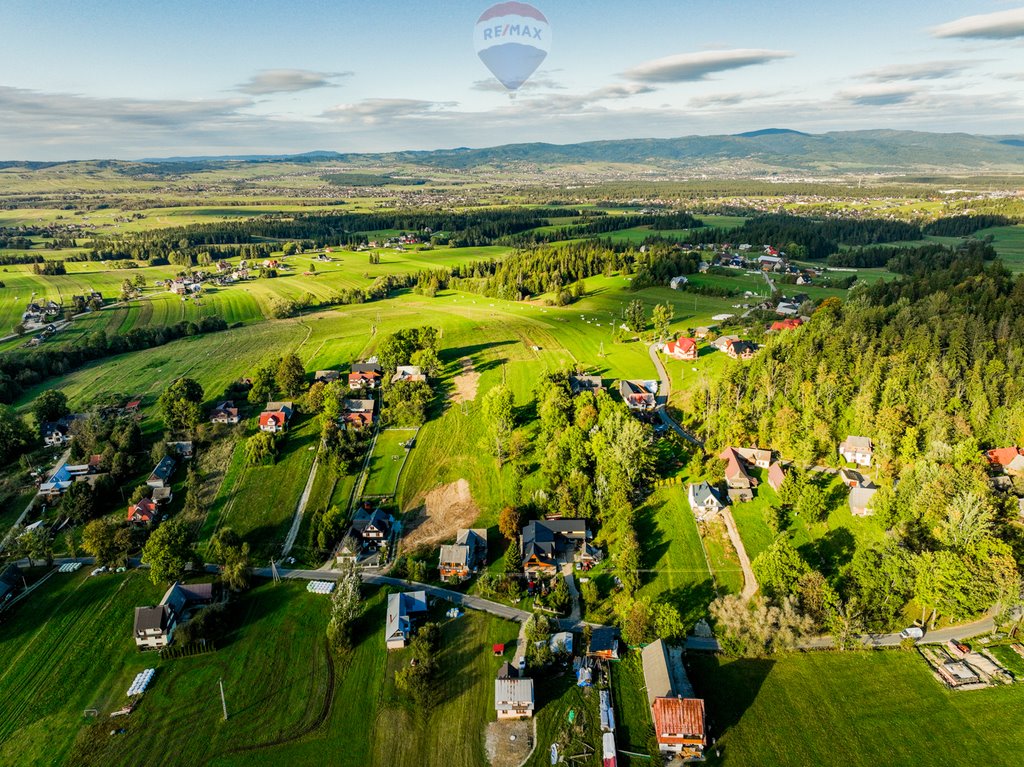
(460,559)
(704,501)
(546,542)
(513,698)
(402,609)
(154,625)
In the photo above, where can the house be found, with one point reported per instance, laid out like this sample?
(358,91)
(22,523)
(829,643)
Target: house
(739,484)
(681,349)
(365,375)
(182,449)
(161,474)
(861,501)
(756,456)
(460,559)
(740,350)
(402,608)
(787,309)
(58,433)
(132,408)
(358,412)
(580,384)
(513,698)
(858,450)
(704,501)
(702,332)
(561,642)
(368,531)
(1008,459)
(677,713)
(604,643)
(776,476)
(544,542)
(722,342)
(679,726)
(326,376)
(639,395)
(408,373)
(142,513)
(225,412)
(791,323)
(276,416)
(677,282)
(154,626)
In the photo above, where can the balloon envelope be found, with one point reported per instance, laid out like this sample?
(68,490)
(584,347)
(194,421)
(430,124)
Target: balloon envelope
(512,39)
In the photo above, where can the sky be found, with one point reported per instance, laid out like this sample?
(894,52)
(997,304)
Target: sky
(126,79)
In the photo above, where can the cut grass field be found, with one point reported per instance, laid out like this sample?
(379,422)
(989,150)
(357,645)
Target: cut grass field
(853,710)
(65,649)
(260,504)
(288,704)
(386,462)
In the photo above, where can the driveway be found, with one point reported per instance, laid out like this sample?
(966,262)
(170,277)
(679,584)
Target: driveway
(664,389)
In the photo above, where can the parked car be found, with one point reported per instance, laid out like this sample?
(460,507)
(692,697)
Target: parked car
(913,632)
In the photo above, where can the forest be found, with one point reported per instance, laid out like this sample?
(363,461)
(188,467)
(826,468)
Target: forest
(930,367)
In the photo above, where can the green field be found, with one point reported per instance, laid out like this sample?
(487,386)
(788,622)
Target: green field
(65,649)
(853,710)
(261,503)
(386,462)
(69,649)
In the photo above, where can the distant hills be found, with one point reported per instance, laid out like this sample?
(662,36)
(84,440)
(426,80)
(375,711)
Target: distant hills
(769,150)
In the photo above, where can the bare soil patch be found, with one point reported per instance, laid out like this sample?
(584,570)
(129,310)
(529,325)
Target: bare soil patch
(465,382)
(502,751)
(441,513)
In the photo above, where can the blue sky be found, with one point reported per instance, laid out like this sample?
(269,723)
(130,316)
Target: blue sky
(112,78)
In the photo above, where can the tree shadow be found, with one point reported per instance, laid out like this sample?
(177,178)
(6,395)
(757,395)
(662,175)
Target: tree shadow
(830,552)
(729,688)
(691,600)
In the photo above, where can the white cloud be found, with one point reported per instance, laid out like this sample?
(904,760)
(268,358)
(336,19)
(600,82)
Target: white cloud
(1002,25)
(730,99)
(928,70)
(689,67)
(375,111)
(289,81)
(538,82)
(878,95)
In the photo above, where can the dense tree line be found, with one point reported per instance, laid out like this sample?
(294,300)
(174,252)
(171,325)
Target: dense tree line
(931,367)
(20,370)
(902,259)
(317,230)
(813,238)
(962,226)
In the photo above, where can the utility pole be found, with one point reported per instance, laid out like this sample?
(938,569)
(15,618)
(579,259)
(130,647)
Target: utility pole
(223,702)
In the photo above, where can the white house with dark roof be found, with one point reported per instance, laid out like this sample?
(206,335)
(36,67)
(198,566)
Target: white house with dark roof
(704,501)
(154,626)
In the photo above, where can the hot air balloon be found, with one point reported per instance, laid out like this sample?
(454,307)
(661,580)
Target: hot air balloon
(512,39)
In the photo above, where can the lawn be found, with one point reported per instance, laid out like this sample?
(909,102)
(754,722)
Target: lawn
(260,504)
(289,705)
(673,556)
(853,710)
(386,462)
(65,649)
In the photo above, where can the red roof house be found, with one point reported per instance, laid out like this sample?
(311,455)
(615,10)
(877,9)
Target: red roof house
(143,512)
(273,421)
(683,349)
(679,726)
(788,324)
(1002,456)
